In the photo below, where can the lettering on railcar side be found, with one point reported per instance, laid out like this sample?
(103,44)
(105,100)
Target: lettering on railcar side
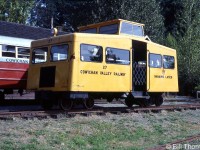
(162,76)
(88,72)
(14,60)
(119,74)
(104,73)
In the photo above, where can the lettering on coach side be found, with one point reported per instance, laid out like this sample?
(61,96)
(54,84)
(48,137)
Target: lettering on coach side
(88,72)
(119,74)
(14,60)
(17,61)
(161,76)
(105,73)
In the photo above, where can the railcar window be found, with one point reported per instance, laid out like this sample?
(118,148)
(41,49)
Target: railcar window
(168,62)
(131,29)
(109,29)
(155,60)
(137,30)
(59,52)
(117,56)
(39,55)
(8,51)
(93,30)
(23,52)
(91,53)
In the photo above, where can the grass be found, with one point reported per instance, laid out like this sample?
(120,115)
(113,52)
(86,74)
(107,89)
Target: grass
(126,131)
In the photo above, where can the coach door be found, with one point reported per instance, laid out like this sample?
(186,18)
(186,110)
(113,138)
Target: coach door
(139,60)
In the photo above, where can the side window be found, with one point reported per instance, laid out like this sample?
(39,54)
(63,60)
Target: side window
(117,56)
(8,51)
(23,52)
(155,60)
(109,29)
(131,29)
(91,53)
(168,62)
(39,55)
(59,52)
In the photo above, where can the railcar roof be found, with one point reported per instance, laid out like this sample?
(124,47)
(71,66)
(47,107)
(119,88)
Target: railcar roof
(107,23)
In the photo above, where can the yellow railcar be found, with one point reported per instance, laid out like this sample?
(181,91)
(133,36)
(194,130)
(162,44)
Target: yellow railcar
(108,60)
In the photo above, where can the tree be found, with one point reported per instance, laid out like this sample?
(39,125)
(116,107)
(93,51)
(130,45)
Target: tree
(15,10)
(77,13)
(66,13)
(187,45)
(189,53)
(147,12)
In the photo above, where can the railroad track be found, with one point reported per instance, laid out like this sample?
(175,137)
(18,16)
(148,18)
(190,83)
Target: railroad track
(96,111)
(28,101)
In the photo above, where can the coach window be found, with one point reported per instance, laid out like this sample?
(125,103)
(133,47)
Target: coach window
(117,56)
(128,28)
(109,29)
(59,52)
(8,51)
(39,55)
(23,52)
(91,53)
(168,62)
(155,60)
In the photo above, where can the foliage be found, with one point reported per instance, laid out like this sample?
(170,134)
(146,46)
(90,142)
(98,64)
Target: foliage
(72,14)
(66,13)
(185,38)
(15,10)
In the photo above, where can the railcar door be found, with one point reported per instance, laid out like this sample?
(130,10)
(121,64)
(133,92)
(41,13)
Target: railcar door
(139,63)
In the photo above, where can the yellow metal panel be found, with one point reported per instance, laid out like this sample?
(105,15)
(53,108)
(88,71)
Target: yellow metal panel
(161,79)
(93,76)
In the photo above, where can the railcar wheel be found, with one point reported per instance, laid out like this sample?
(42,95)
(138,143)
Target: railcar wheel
(129,100)
(89,103)
(158,100)
(66,104)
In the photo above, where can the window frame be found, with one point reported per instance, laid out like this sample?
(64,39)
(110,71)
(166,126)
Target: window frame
(117,24)
(18,54)
(95,46)
(113,61)
(132,31)
(51,59)
(150,66)
(33,55)
(174,62)
(8,52)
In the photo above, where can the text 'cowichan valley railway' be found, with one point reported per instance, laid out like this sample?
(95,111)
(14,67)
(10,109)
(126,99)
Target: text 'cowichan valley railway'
(108,60)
